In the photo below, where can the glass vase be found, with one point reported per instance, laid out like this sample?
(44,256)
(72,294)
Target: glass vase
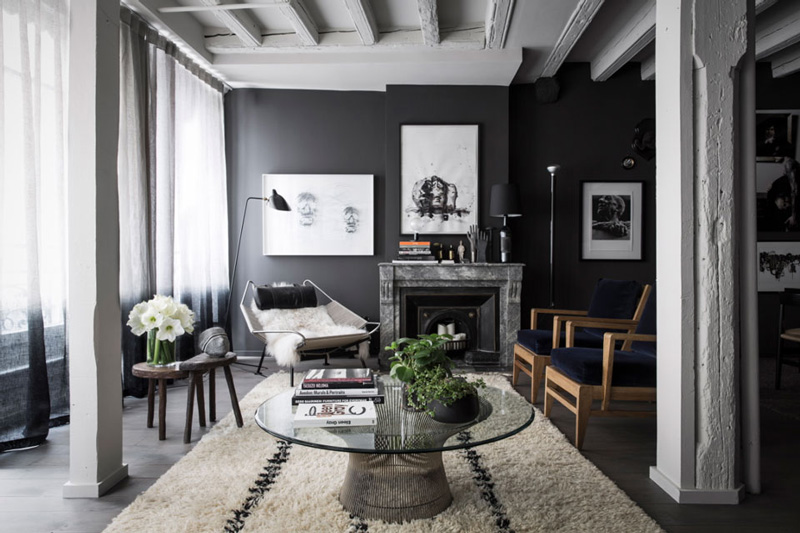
(159,353)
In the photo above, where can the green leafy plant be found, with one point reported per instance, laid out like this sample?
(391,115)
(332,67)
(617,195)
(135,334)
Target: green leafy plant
(413,355)
(423,364)
(440,384)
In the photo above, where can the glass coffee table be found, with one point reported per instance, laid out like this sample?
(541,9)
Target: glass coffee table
(395,471)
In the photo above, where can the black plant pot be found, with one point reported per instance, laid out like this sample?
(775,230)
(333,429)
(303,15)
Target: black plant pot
(460,411)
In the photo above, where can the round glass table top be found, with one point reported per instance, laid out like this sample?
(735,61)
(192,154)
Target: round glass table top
(502,414)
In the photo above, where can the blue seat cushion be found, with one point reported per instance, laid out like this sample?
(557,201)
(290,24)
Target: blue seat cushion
(585,365)
(540,341)
(614,299)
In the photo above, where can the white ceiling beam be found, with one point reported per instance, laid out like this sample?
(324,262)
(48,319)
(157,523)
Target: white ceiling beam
(429,21)
(639,31)
(241,23)
(498,18)
(304,26)
(786,62)
(649,68)
(180,27)
(220,7)
(363,20)
(577,24)
(397,40)
(778,29)
(761,5)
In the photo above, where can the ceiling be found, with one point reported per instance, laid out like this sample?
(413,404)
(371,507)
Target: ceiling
(369,44)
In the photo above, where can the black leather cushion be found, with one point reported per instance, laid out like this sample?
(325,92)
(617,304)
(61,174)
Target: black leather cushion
(286,297)
(540,341)
(585,365)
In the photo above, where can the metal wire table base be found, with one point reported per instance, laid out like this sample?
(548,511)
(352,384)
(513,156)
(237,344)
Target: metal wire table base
(395,487)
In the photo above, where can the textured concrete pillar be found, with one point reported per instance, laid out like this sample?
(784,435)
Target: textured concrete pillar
(93,252)
(698,50)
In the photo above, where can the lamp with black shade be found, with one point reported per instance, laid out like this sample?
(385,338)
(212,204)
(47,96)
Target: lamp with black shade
(277,202)
(504,203)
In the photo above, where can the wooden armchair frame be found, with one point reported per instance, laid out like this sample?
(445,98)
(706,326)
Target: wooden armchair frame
(558,383)
(534,365)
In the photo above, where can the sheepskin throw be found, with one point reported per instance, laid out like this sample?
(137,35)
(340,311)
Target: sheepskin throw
(311,322)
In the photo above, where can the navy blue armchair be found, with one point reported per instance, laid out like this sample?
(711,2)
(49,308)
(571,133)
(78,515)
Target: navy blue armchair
(605,374)
(616,302)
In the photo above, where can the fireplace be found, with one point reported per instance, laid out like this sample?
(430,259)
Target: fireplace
(471,311)
(480,300)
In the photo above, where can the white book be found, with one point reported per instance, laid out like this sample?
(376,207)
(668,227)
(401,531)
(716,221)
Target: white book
(345,414)
(299,391)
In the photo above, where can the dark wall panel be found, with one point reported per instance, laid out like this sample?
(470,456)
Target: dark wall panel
(301,132)
(588,131)
(774,93)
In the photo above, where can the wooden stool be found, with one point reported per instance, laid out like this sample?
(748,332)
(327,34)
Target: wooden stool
(160,374)
(196,367)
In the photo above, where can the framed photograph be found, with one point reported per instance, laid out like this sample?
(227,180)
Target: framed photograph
(775,135)
(778,266)
(331,214)
(611,220)
(438,179)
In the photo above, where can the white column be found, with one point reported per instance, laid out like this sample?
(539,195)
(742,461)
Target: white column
(698,49)
(93,256)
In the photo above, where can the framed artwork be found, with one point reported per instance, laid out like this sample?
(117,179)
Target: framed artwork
(776,133)
(778,266)
(331,214)
(438,178)
(611,220)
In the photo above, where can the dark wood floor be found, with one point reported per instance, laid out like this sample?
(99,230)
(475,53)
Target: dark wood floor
(624,449)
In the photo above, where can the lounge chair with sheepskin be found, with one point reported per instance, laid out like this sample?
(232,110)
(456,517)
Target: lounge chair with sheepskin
(293,327)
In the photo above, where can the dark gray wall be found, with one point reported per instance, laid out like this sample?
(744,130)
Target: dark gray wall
(780,93)
(304,132)
(588,131)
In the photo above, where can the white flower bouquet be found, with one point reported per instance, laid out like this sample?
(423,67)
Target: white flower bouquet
(163,320)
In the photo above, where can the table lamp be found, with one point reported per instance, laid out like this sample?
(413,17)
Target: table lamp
(505,203)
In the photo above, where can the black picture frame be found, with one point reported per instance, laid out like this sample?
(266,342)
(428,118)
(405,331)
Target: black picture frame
(612,220)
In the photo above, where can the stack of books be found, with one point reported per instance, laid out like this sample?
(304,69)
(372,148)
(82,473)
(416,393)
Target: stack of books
(337,397)
(338,385)
(410,252)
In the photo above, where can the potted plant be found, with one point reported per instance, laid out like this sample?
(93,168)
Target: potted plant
(424,366)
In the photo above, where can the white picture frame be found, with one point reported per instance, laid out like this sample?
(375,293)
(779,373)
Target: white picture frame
(438,178)
(331,214)
(775,263)
(611,220)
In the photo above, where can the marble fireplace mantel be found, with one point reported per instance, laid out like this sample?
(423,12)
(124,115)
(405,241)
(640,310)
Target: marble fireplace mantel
(505,277)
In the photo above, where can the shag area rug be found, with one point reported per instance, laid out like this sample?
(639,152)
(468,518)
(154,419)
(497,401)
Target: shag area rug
(243,479)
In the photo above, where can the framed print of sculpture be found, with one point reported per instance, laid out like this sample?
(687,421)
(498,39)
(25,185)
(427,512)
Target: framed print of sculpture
(438,178)
(778,266)
(611,220)
(331,214)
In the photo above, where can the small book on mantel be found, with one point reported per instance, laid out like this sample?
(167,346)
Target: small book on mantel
(338,378)
(340,414)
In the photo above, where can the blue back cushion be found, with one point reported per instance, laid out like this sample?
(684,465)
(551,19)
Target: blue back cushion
(613,299)
(647,326)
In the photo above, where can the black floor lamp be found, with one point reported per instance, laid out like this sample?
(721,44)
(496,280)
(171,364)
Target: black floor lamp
(276,201)
(552,169)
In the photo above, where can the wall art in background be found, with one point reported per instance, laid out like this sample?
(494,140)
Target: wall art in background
(439,178)
(778,266)
(611,220)
(331,214)
(775,135)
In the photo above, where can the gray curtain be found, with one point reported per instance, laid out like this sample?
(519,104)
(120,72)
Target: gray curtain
(33,353)
(172,187)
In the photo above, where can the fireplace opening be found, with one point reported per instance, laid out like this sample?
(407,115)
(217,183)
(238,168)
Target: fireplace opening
(468,312)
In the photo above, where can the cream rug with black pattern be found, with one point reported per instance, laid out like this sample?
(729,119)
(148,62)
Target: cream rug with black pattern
(245,480)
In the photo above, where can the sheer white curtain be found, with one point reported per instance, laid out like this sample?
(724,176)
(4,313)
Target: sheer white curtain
(33,85)
(172,183)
